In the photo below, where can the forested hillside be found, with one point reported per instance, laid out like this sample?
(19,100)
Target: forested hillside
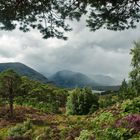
(23,70)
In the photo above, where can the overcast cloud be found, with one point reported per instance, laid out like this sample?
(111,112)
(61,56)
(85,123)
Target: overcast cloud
(101,52)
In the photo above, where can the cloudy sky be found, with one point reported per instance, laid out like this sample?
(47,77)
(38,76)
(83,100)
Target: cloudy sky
(101,52)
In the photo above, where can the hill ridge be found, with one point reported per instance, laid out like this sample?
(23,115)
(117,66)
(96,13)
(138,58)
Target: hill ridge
(23,70)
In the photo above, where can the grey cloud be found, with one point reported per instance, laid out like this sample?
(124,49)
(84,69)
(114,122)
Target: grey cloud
(100,52)
(110,40)
(9,46)
(95,61)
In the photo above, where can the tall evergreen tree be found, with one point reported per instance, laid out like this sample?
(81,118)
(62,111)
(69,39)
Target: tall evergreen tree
(9,87)
(135,73)
(124,86)
(123,90)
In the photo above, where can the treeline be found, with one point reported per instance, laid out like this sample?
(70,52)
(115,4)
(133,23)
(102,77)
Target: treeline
(17,90)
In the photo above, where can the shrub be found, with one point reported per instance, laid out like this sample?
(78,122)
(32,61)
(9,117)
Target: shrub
(46,135)
(112,133)
(85,135)
(130,122)
(129,93)
(80,101)
(107,100)
(93,108)
(101,121)
(131,106)
(20,129)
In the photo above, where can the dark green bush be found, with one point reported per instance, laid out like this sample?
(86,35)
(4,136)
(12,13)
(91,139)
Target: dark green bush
(21,129)
(107,100)
(80,102)
(85,135)
(129,93)
(113,133)
(46,135)
(131,106)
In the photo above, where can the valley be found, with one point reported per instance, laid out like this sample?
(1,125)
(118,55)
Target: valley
(66,106)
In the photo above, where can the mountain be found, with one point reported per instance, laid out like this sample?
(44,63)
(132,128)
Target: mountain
(70,79)
(24,70)
(104,80)
(64,78)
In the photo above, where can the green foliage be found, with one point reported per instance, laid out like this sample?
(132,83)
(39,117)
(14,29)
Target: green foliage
(93,108)
(112,133)
(85,135)
(49,17)
(123,90)
(113,15)
(130,93)
(3,133)
(103,119)
(105,127)
(80,101)
(107,100)
(10,83)
(131,106)
(127,91)
(46,134)
(135,73)
(99,125)
(46,16)
(119,122)
(124,85)
(21,129)
(45,97)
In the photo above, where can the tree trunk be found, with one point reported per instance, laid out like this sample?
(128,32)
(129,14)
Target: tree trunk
(11,99)
(11,108)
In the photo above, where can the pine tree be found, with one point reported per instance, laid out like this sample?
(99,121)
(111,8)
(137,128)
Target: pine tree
(9,87)
(135,73)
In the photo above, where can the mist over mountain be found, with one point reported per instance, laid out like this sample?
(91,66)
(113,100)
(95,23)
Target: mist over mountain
(70,79)
(64,78)
(23,70)
(104,80)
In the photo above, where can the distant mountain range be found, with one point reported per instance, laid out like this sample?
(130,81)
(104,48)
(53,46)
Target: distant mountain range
(64,78)
(104,80)
(70,79)
(24,70)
